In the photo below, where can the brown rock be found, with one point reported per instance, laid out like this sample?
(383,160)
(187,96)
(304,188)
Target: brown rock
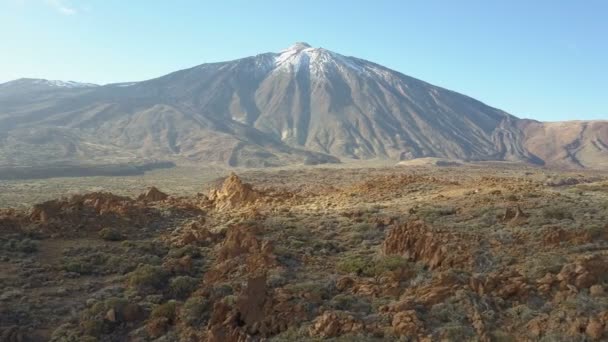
(332,324)
(153,195)
(250,303)
(233,194)
(584,280)
(594,329)
(111,315)
(344,283)
(596,290)
(406,323)
(418,242)
(132,313)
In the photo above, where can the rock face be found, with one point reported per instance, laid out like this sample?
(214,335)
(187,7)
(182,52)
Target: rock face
(303,105)
(332,324)
(417,242)
(584,273)
(96,210)
(233,194)
(406,323)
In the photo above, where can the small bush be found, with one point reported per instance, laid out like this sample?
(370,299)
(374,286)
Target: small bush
(433,213)
(348,302)
(167,310)
(148,277)
(195,311)
(93,327)
(356,265)
(181,287)
(557,213)
(190,250)
(111,234)
(78,266)
(369,267)
(22,245)
(389,264)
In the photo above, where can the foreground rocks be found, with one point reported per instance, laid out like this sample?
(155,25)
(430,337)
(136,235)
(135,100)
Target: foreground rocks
(373,257)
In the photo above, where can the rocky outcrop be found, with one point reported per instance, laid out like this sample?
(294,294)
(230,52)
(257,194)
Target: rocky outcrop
(153,195)
(335,323)
(584,272)
(233,194)
(407,323)
(242,252)
(93,211)
(418,242)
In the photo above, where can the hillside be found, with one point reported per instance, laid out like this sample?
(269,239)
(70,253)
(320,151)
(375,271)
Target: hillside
(301,105)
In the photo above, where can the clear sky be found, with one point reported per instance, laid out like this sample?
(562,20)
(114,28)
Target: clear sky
(540,59)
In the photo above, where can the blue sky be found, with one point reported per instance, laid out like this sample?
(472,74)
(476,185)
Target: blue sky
(546,60)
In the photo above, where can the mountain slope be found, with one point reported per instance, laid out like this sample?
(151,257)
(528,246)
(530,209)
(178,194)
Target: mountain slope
(567,144)
(302,105)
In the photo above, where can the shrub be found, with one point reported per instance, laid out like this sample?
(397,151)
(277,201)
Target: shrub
(369,267)
(348,302)
(456,332)
(389,263)
(181,287)
(22,245)
(433,213)
(93,327)
(111,234)
(195,311)
(190,250)
(67,332)
(167,310)
(78,266)
(557,213)
(355,265)
(148,276)
(315,289)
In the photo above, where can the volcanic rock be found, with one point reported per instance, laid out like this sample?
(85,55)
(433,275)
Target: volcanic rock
(233,194)
(335,323)
(153,195)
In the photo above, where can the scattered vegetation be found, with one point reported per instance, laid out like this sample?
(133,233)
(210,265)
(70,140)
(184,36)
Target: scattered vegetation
(111,234)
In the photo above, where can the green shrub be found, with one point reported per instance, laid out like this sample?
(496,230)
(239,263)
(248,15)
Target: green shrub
(181,287)
(347,302)
(111,234)
(148,277)
(389,263)
(195,311)
(371,267)
(557,213)
(78,266)
(167,310)
(93,327)
(22,245)
(356,265)
(190,250)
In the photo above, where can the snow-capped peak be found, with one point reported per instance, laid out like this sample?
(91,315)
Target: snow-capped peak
(317,60)
(298,46)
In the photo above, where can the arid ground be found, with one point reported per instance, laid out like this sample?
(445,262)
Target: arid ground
(493,252)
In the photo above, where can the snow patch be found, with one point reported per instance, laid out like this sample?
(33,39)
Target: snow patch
(319,61)
(65,84)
